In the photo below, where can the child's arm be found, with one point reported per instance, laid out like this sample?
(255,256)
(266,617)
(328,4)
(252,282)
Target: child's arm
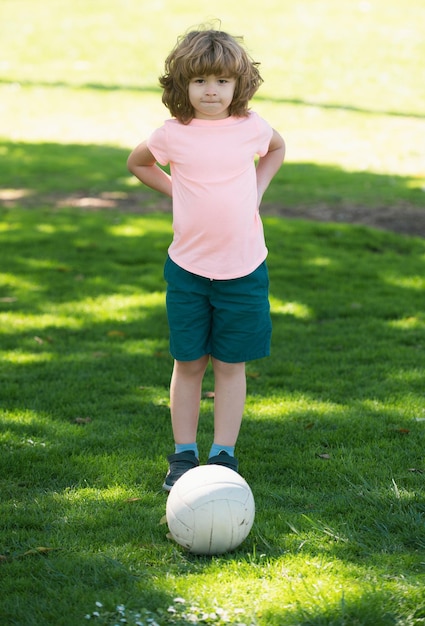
(143,165)
(269,164)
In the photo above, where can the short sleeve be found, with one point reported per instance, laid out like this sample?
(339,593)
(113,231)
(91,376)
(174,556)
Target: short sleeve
(157,144)
(265,133)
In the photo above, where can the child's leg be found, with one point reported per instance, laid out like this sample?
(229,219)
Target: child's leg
(229,401)
(185,397)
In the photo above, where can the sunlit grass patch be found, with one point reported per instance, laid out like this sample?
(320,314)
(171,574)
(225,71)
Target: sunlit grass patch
(295,309)
(415,321)
(407,282)
(20,357)
(140,228)
(114,308)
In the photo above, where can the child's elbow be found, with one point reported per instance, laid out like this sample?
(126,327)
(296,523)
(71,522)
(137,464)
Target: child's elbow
(130,164)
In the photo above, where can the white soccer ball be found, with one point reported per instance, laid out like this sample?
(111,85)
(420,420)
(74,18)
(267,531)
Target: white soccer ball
(210,510)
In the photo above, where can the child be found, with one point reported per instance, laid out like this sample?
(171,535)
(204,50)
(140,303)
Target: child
(216,273)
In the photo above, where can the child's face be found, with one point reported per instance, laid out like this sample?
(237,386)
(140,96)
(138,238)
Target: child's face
(211,96)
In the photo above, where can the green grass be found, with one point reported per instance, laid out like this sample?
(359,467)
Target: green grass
(343,83)
(42,170)
(332,441)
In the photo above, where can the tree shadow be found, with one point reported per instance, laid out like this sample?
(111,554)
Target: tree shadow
(309,452)
(157,89)
(95,177)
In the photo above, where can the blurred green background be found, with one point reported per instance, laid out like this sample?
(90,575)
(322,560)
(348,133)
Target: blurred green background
(344,81)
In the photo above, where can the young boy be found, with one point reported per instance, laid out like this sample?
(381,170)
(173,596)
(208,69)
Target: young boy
(216,273)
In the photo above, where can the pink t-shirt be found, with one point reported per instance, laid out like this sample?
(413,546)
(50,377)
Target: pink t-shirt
(217,227)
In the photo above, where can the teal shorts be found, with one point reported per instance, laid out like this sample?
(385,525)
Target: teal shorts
(227,319)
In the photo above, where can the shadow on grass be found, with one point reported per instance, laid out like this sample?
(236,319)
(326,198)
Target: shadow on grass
(84,386)
(87,332)
(95,176)
(156,89)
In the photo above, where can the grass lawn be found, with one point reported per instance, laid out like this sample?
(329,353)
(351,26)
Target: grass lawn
(333,437)
(332,443)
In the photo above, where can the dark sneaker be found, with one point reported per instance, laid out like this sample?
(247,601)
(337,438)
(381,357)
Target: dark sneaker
(224,459)
(180,463)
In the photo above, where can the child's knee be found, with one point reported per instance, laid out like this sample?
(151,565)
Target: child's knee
(228,369)
(192,368)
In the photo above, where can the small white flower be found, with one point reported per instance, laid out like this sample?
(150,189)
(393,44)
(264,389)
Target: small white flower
(96,614)
(121,608)
(87,616)
(180,600)
(99,605)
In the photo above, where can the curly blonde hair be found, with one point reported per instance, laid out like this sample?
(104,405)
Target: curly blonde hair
(202,53)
